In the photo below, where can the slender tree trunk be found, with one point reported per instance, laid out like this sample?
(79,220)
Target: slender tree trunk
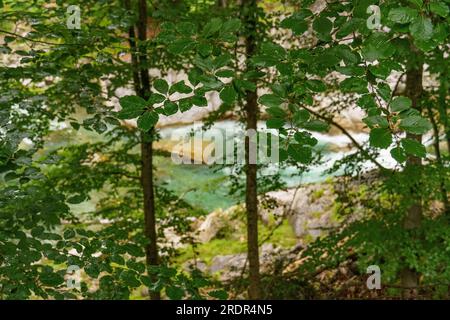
(222,3)
(251,196)
(437,151)
(414,88)
(134,53)
(151,249)
(442,104)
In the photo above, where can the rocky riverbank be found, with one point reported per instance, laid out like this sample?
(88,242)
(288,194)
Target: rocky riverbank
(303,214)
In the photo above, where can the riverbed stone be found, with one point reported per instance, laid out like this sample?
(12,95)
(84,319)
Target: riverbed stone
(309,209)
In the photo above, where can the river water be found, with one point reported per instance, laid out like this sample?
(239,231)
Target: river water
(207,186)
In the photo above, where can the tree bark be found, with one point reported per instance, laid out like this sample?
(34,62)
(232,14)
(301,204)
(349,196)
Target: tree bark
(222,3)
(442,104)
(414,88)
(251,195)
(151,249)
(440,164)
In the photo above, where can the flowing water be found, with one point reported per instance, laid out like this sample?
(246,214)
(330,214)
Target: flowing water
(207,187)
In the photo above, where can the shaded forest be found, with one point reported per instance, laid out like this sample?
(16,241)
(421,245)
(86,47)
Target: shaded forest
(224,149)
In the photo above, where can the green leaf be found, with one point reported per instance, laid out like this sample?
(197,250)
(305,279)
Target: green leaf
(305,138)
(323,27)
(384,91)
(297,26)
(221,61)
(148,120)
(170,108)
(421,28)
(301,116)
(199,101)
(228,95)
(212,27)
(134,250)
(132,107)
(37,231)
(376,121)
(178,46)
(132,102)
(51,279)
(426,45)
(439,8)
(128,114)
(399,104)
(205,49)
(273,49)
(279,90)
(402,15)
(225,73)
(161,86)
(75,125)
(300,153)
(92,270)
(346,54)
(270,100)
(414,147)
(377,46)
(69,234)
(381,70)
(174,292)
(440,33)
(380,138)
(156,98)
(398,154)
(76,199)
(11,176)
(275,123)
(316,125)
(218,294)
(350,26)
(351,70)
(231,25)
(276,112)
(316,85)
(180,87)
(129,278)
(185,104)
(353,84)
(417,3)
(415,124)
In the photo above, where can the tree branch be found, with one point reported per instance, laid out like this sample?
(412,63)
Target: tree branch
(346,133)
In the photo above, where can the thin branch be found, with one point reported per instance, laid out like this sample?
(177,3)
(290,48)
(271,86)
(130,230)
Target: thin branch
(38,41)
(346,133)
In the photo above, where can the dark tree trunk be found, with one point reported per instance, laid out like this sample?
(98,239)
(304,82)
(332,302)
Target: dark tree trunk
(437,151)
(151,249)
(222,3)
(251,196)
(443,105)
(414,88)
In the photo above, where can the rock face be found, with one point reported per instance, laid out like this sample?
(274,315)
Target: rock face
(231,266)
(218,221)
(309,209)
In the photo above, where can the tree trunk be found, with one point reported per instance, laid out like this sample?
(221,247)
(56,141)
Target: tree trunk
(414,88)
(151,249)
(251,196)
(440,164)
(442,104)
(222,3)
